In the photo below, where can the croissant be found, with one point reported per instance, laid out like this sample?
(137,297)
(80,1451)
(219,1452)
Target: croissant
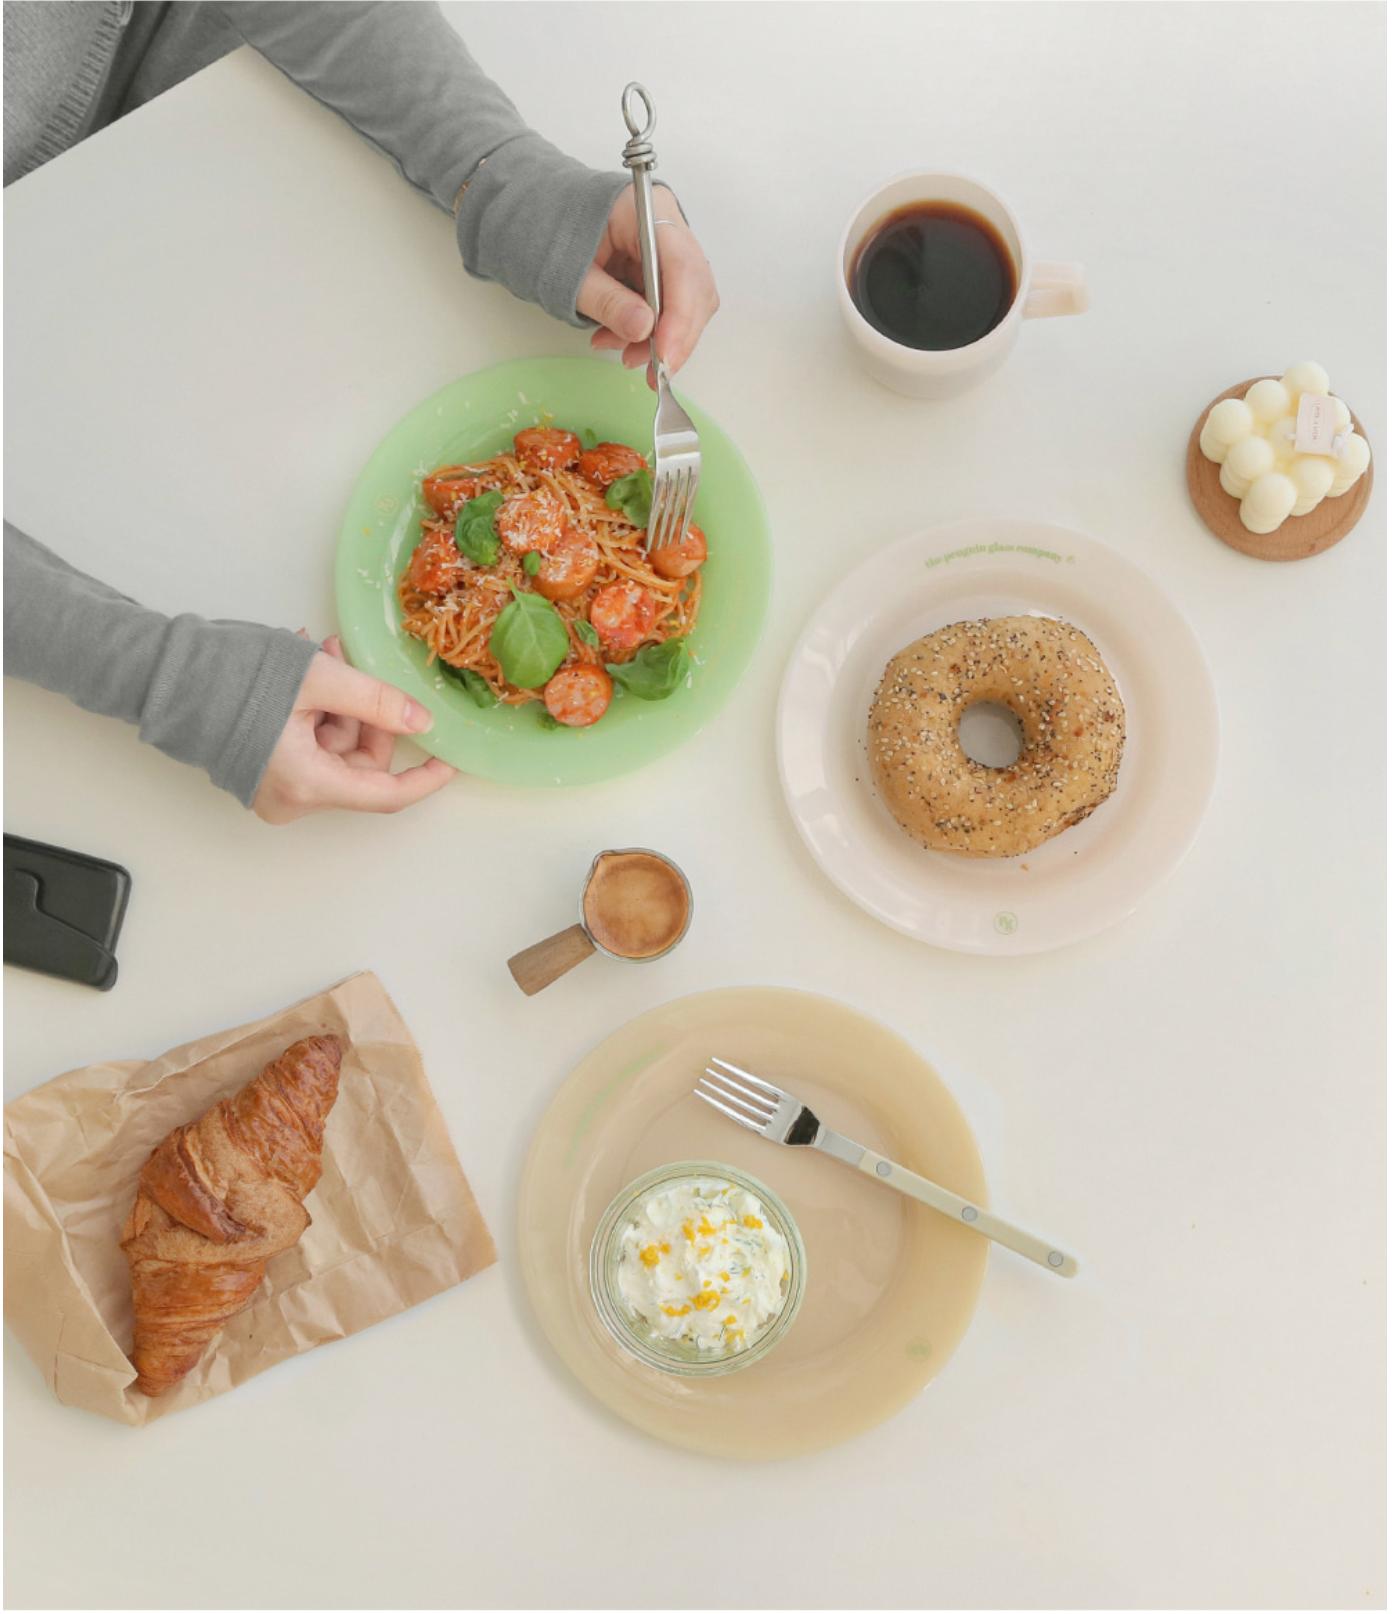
(217,1199)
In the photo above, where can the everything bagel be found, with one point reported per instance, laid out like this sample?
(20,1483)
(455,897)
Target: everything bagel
(1072,721)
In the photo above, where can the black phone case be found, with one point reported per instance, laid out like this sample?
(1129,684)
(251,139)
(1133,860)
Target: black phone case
(63,912)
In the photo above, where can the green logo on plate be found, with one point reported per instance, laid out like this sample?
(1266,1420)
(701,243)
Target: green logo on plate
(1007,924)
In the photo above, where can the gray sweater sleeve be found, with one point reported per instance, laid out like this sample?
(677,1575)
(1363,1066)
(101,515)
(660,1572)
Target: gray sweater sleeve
(531,217)
(216,694)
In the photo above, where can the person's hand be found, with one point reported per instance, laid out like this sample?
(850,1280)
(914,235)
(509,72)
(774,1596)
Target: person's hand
(336,750)
(612,290)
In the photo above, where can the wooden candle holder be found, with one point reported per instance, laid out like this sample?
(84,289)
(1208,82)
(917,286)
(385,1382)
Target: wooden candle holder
(1298,536)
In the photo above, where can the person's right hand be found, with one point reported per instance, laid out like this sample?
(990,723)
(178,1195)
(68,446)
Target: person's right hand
(612,291)
(336,749)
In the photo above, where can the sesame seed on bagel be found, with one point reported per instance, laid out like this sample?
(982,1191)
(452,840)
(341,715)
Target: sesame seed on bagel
(1072,722)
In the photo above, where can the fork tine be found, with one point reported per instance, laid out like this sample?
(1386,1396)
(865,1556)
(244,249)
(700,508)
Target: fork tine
(671,486)
(726,1085)
(662,492)
(749,1076)
(680,494)
(703,1087)
(688,508)
(680,505)
(734,1115)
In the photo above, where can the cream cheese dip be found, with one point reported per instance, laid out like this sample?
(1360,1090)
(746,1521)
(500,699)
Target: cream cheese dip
(702,1263)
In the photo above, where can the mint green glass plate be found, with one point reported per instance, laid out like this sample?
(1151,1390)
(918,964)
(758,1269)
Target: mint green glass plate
(473,418)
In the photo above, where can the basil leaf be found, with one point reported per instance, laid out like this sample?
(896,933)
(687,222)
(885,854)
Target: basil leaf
(547,721)
(655,671)
(633,495)
(585,633)
(589,437)
(476,686)
(531,563)
(529,639)
(474,531)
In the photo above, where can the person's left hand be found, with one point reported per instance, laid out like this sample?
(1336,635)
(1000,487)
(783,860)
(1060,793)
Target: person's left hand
(336,748)
(612,290)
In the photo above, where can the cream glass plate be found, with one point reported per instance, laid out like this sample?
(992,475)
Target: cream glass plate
(891,1285)
(1084,879)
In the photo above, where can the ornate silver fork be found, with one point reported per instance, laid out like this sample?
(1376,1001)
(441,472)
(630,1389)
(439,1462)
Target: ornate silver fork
(676,447)
(782,1118)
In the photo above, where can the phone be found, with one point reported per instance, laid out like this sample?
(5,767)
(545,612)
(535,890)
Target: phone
(63,912)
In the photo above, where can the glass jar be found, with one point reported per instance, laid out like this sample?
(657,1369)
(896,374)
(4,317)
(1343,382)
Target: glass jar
(685,1357)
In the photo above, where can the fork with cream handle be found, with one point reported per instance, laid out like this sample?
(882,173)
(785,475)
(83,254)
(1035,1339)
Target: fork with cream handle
(781,1118)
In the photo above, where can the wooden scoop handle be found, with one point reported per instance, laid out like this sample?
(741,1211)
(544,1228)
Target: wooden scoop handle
(536,967)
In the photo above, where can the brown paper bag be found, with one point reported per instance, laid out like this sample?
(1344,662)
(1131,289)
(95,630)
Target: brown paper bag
(394,1220)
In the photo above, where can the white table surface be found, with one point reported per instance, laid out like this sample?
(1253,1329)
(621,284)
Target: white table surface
(230,293)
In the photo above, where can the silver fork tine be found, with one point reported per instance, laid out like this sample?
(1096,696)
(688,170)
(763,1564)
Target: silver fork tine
(662,494)
(667,531)
(683,507)
(733,1114)
(762,1101)
(662,509)
(725,1085)
(705,1087)
(688,502)
(749,1076)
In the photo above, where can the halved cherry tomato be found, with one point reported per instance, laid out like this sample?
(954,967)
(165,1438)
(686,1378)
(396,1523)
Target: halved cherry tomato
(681,558)
(623,614)
(580,695)
(436,565)
(451,486)
(568,566)
(531,520)
(609,461)
(543,448)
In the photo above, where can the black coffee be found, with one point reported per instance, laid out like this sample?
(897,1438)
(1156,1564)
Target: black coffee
(934,275)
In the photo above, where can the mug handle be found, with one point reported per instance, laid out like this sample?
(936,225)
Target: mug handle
(1056,288)
(536,967)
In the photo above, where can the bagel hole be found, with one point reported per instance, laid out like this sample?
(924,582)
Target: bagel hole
(991,734)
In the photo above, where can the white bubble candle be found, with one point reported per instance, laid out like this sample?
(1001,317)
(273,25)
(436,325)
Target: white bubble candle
(1277,460)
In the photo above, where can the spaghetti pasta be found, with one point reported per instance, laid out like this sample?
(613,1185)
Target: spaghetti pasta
(552,534)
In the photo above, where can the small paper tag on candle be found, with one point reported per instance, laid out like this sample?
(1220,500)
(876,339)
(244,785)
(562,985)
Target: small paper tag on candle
(1316,426)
